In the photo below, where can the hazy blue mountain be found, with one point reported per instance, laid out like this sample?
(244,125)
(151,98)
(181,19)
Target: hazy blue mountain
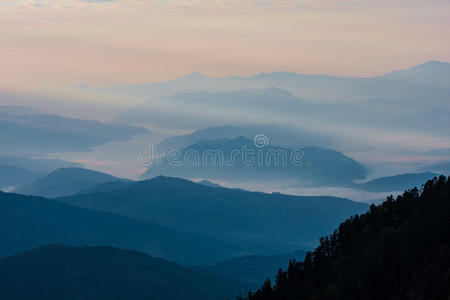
(204,109)
(419,83)
(400,182)
(280,136)
(261,223)
(27,222)
(253,270)
(61,272)
(31,135)
(433,73)
(65,182)
(17,171)
(218,159)
(19,110)
(413,100)
(107,186)
(37,165)
(441,167)
(280,108)
(12,176)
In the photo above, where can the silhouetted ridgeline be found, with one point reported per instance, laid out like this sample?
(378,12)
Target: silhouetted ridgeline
(28,222)
(104,273)
(65,182)
(314,166)
(397,250)
(261,223)
(31,135)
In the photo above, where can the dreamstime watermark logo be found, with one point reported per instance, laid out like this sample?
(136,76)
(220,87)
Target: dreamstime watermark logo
(258,154)
(261,140)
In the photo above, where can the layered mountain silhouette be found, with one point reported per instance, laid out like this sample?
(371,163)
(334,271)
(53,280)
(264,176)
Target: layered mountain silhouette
(28,222)
(61,272)
(65,182)
(200,109)
(441,167)
(37,165)
(19,110)
(253,270)
(31,135)
(415,99)
(280,108)
(432,76)
(434,73)
(107,187)
(281,136)
(11,176)
(397,250)
(240,159)
(260,223)
(15,171)
(397,183)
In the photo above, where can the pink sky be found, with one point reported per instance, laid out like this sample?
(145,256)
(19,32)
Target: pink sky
(66,42)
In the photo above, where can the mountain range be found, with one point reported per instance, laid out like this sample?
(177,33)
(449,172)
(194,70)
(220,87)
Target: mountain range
(36,134)
(16,171)
(280,108)
(239,159)
(258,222)
(66,182)
(424,81)
(61,272)
(399,182)
(11,176)
(285,136)
(27,222)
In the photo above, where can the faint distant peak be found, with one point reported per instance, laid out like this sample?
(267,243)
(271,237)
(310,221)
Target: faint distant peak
(434,63)
(194,76)
(432,72)
(276,74)
(17,110)
(277,93)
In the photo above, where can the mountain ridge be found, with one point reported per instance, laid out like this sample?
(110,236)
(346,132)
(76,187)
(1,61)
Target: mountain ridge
(62,272)
(236,216)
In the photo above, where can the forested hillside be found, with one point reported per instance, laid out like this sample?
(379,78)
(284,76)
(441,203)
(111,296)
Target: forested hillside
(397,250)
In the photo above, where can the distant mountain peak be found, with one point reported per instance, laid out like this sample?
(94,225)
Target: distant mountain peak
(435,63)
(64,182)
(195,75)
(78,171)
(431,72)
(275,92)
(432,65)
(276,74)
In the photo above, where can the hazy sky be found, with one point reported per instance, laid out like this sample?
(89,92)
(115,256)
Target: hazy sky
(66,42)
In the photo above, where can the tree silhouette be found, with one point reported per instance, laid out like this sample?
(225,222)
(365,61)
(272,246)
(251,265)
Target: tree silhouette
(399,249)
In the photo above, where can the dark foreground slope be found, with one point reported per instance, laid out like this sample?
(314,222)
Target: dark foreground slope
(397,250)
(28,222)
(60,272)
